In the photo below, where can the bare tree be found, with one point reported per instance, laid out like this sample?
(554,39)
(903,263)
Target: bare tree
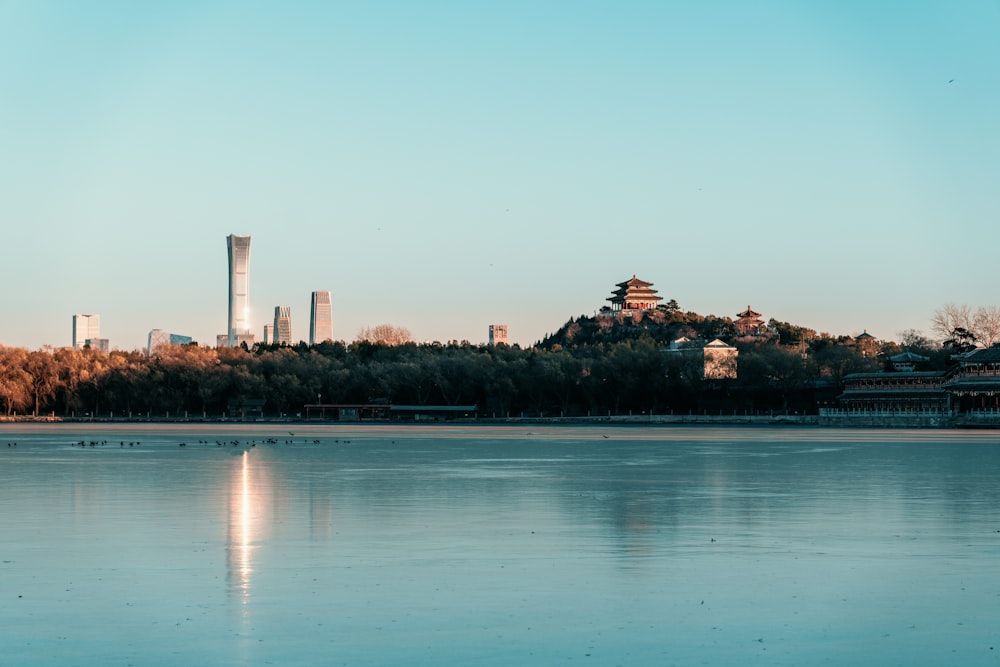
(986,325)
(983,323)
(949,317)
(387,334)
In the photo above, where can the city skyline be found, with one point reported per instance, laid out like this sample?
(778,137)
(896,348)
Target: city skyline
(832,165)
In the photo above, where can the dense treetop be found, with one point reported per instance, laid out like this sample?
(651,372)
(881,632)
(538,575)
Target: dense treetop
(592,365)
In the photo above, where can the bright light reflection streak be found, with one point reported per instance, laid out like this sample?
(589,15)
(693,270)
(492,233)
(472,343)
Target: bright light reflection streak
(243,562)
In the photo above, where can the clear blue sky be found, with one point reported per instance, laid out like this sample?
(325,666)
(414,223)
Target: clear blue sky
(447,165)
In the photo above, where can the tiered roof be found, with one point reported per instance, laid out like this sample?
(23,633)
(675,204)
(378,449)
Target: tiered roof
(749,322)
(634,294)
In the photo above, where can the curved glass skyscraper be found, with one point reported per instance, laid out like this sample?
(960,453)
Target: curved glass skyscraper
(239,287)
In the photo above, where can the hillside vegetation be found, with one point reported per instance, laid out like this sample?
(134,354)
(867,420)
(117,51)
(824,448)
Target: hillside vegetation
(590,366)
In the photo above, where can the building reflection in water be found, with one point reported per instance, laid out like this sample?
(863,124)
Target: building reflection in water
(247,490)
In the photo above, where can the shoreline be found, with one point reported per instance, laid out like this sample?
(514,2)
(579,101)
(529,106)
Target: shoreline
(888,421)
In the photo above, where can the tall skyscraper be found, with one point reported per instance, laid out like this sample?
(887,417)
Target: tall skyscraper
(498,334)
(268,334)
(239,287)
(320,318)
(85,327)
(283,325)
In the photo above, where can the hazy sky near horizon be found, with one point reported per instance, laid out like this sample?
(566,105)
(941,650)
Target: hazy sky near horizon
(447,165)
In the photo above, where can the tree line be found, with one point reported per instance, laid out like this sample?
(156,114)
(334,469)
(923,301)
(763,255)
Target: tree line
(591,366)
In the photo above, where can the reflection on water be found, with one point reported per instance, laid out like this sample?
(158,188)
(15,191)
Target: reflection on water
(498,546)
(240,538)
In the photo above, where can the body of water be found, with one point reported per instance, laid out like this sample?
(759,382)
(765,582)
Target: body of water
(375,545)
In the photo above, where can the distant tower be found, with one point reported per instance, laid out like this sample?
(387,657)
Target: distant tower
(85,327)
(749,323)
(268,334)
(498,334)
(282,325)
(320,318)
(239,287)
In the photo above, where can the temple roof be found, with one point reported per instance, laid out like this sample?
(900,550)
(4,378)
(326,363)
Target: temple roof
(982,355)
(908,356)
(749,313)
(634,282)
(634,290)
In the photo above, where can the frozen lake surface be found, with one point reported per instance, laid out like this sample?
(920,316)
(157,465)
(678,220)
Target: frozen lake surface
(514,545)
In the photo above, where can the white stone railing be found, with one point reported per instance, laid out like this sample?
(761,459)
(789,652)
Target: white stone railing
(837,412)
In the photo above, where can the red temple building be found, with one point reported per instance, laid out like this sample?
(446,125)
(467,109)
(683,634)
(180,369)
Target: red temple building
(634,295)
(749,323)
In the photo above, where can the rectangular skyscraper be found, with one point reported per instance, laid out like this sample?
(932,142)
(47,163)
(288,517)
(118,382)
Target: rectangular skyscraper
(85,327)
(239,287)
(282,325)
(498,334)
(320,318)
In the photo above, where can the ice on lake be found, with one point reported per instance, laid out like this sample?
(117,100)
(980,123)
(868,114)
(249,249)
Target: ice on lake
(416,545)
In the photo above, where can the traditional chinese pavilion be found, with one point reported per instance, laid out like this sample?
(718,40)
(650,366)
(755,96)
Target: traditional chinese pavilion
(634,295)
(749,323)
(969,389)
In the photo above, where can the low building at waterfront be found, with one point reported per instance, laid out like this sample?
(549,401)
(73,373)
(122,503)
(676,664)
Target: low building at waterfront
(971,385)
(914,391)
(974,383)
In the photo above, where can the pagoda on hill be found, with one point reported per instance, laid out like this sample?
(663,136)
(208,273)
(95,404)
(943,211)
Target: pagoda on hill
(749,323)
(633,295)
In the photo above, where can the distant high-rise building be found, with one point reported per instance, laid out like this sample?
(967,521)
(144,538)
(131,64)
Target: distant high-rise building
(159,338)
(268,334)
(247,339)
(239,288)
(283,325)
(320,318)
(84,327)
(498,334)
(100,344)
(223,340)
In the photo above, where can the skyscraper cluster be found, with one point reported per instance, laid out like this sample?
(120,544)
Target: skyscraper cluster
(280,331)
